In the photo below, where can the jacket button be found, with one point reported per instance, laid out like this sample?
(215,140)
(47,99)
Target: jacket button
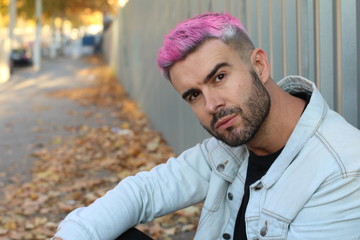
(230,196)
(258,187)
(226,236)
(220,167)
(263,230)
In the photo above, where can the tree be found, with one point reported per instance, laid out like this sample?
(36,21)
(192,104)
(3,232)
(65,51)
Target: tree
(72,10)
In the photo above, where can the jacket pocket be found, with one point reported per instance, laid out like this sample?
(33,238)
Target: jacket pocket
(269,227)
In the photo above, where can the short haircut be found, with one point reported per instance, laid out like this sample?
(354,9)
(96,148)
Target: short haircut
(192,33)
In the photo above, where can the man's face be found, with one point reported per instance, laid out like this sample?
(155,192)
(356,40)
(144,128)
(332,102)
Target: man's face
(229,99)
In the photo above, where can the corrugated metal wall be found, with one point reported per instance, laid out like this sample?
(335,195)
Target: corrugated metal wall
(318,39)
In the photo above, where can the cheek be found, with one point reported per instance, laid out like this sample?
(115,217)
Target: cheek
(239,93)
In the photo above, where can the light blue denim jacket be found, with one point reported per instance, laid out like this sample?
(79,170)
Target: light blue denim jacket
(312,190)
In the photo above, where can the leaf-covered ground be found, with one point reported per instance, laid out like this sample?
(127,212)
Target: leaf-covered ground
(73,171)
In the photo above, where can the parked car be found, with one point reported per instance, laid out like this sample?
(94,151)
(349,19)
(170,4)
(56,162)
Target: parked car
(11,65)
(21,56)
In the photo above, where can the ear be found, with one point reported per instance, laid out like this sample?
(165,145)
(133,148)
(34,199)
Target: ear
(260,64)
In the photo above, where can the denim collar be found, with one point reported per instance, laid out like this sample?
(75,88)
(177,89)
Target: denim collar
(306,127)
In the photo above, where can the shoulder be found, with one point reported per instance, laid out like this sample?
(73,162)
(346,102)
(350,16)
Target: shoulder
(341,141)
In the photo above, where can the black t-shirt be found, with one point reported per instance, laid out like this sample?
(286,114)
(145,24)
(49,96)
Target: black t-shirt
(258,166)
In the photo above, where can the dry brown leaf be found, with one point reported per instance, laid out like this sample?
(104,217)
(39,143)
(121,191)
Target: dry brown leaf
(73,171)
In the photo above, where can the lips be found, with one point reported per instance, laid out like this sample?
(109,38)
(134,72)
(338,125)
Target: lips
(225,122)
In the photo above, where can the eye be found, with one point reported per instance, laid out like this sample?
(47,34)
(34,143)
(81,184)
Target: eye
(193,96)
(219,77)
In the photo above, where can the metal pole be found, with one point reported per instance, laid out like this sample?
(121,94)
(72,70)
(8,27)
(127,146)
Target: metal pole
(12,10)
(53,39)
(37,44)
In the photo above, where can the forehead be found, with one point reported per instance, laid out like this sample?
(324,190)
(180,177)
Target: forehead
(198,64)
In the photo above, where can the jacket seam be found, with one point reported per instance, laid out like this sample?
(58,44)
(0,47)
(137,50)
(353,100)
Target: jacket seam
(337,178)
(216,202)
(332,151)
(276,216)
(82,227)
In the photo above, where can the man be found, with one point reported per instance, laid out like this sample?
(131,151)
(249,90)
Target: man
(281,164)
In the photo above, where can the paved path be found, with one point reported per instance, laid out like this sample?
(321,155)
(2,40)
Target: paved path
(30,118)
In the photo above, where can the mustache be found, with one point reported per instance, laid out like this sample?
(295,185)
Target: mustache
(222,113)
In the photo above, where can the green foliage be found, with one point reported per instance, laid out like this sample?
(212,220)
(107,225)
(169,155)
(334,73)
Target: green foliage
(68,9)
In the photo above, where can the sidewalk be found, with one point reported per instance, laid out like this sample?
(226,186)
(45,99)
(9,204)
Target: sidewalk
(69,134)
(29,117)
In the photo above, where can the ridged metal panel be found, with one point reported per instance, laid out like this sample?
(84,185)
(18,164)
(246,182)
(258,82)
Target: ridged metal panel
(318,39)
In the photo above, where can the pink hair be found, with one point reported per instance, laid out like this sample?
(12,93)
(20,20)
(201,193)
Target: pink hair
(191,33)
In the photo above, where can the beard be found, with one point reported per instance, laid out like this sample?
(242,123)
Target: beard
(254,113)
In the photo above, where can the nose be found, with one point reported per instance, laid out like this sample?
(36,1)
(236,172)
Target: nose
(213,103)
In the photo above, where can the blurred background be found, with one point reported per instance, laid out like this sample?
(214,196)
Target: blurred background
(32,29)
(318,39)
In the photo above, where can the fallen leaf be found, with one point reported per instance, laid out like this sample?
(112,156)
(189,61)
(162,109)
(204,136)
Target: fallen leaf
(73,170)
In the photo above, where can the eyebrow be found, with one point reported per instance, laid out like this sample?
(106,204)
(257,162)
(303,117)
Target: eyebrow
(214,71)
(207,78)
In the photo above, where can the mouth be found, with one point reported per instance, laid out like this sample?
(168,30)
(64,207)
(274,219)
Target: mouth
(225,122)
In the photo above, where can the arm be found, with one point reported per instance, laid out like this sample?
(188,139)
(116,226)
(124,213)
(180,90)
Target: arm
(179,183)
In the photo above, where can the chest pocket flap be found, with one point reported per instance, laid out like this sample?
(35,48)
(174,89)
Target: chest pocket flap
(226,161)
(271,226)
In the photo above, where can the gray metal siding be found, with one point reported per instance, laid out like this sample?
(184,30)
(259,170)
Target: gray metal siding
(318,39)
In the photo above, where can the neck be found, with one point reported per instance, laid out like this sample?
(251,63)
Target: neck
(285,112)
